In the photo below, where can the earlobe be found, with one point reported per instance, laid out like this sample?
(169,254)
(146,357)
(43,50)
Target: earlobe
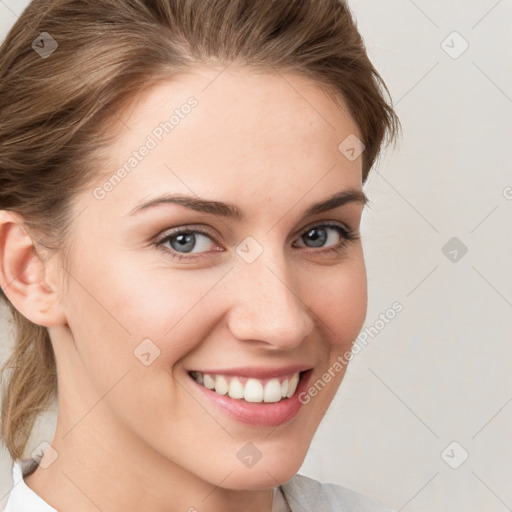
(24,274)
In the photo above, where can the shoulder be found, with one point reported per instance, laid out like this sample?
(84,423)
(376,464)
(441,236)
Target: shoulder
(304,493)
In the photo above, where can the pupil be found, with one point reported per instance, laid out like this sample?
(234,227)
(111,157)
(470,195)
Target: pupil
(318,239)
(185,242)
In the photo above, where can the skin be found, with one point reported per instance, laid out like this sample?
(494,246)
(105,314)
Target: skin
(132,437)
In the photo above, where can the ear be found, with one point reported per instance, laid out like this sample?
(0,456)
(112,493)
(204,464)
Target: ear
(25,275)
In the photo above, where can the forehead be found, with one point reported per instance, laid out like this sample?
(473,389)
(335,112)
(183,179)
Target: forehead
(247,133)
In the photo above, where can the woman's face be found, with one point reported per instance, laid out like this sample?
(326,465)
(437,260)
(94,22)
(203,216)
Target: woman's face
(158,295)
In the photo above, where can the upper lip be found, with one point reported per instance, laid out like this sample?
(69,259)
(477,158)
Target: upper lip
(256,372)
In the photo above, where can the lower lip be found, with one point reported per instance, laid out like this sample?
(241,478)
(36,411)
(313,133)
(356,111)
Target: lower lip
(262,414)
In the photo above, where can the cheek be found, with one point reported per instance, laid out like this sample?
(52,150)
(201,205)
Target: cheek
(338,297)
(122,303)
(112,319)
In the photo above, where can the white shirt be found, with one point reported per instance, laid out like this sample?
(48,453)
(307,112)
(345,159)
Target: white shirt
(22,498)
(299,494)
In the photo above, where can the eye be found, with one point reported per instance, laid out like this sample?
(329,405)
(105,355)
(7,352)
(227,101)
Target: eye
(320,234)
(186,241)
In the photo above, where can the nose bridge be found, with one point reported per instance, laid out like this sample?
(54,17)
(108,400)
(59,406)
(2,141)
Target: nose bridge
(268,307)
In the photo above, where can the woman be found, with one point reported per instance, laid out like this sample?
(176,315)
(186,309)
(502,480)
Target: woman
(180,194)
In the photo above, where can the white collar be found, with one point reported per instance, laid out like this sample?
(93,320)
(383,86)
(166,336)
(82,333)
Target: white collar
(22,497)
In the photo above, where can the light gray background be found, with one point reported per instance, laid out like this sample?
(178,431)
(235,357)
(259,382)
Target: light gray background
(440,371)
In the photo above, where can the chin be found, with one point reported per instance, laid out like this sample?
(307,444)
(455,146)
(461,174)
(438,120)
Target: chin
(265,475)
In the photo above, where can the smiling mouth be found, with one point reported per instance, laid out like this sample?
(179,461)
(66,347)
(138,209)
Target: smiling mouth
(249,389)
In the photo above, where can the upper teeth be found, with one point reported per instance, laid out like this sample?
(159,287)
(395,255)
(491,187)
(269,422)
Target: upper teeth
(251,390)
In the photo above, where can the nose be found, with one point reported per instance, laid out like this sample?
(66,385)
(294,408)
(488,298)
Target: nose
(267,305)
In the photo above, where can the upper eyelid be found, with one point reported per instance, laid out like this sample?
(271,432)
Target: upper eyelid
(324,223)
(185,229)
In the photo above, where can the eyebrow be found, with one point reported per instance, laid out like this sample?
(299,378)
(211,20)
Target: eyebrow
(229,210)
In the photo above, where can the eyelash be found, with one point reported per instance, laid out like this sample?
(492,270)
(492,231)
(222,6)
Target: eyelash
(346,234)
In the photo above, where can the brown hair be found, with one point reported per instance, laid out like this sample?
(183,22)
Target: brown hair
(55,112)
